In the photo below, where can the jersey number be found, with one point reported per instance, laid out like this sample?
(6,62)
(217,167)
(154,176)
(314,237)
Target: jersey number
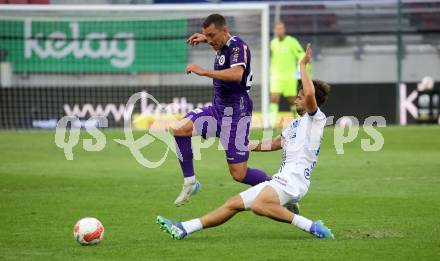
(249,80)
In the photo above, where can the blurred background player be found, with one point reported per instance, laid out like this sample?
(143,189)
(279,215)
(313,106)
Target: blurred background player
(286,52)
(232,78)
(300,143)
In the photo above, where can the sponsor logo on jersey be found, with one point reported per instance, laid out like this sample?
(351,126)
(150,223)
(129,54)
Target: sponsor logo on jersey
(236,54)
(221,59)
(280,180)
(307,173)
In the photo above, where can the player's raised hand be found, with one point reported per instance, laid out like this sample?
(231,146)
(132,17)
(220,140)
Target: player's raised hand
(194,68)
(195,39)
(308,55)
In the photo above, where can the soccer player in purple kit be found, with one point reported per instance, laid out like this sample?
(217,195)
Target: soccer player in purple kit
(232,78)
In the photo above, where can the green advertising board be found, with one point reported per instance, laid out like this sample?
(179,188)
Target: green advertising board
(95,46)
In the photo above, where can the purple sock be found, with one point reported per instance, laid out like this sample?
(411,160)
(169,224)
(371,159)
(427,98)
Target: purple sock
(255,176)
(184,145)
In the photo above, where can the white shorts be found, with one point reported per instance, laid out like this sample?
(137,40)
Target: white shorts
(248,196)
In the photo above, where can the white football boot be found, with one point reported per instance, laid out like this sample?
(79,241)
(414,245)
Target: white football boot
(188,190)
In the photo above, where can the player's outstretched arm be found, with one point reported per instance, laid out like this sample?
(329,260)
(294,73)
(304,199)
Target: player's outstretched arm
(268,145)
(308,88)
(195,39)
(233,74)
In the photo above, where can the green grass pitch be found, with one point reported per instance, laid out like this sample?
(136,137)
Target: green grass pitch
(380,205)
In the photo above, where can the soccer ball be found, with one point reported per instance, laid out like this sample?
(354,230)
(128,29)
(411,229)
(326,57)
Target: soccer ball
(88,231)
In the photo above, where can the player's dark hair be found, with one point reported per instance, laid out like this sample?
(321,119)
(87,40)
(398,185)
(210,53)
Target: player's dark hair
(217,19)
(322,90)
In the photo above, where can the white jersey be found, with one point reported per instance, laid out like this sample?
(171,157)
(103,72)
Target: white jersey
(301,141)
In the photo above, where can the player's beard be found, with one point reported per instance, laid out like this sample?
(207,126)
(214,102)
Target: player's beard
(215,47)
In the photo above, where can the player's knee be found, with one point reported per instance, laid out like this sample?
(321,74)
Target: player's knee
(237,174)
(258,208)
(234,203)
(236,177)
(181,128)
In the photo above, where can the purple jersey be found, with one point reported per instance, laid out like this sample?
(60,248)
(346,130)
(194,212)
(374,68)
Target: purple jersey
(233,94)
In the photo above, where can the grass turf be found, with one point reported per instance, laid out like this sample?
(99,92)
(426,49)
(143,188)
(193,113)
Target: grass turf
(380,205)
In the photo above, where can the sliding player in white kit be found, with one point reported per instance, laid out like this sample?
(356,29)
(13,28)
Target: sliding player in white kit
(300,141)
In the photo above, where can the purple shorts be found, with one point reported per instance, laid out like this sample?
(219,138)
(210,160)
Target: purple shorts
(232,127)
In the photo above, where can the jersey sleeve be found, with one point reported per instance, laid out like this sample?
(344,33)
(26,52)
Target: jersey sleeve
(271,51)
(283,133)
(283,136)
(272,45)
(238,55)
(316,130)
(297,49)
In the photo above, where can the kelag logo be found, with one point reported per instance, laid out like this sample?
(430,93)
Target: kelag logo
(99,46)
(120,50)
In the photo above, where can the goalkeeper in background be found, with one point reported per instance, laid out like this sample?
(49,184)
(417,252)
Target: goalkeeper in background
(286,52)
